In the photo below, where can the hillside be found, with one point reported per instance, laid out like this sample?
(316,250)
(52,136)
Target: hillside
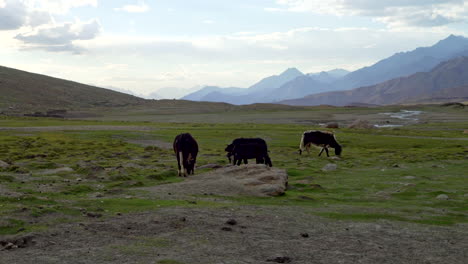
(448,79)
(25,90)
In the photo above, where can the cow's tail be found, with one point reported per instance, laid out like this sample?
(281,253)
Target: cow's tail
(301,145)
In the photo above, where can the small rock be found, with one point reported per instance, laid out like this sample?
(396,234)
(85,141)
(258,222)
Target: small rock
(226,228)
(306,198)
(409,177)
(3,164)
(10,246)
(332,125)
(305,235)
(280,260)
(361,124)
(330,167)
(231,222)
(442,197)
(95,215)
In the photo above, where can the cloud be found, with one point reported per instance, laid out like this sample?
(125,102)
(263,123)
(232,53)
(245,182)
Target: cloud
(59,6)
(59,38)
(394,13)
(141,7)
(15,14)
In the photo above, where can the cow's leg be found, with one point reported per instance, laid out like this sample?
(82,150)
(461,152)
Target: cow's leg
(246,161)
(321,152)
(326,150)
(184,157)
(239,161)
(180,163)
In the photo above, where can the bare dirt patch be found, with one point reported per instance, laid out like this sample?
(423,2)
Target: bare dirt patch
(260,235)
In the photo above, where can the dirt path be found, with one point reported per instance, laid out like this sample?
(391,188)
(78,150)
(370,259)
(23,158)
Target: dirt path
(260,235)
(150,142)
(77,127)
(422,137)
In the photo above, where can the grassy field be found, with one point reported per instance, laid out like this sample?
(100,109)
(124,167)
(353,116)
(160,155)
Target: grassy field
(57,176)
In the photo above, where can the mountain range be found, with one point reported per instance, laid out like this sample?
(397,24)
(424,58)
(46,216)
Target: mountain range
(293,84)
(445,82)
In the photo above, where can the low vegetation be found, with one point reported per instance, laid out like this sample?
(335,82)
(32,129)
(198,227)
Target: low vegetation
(409,174)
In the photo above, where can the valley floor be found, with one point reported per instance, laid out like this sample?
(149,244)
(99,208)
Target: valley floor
(94,191)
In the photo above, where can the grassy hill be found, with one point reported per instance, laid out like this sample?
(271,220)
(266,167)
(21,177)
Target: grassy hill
(30,91)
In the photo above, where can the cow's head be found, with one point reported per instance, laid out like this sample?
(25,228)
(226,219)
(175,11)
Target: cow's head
(338,150)
(229,149)
(191,160)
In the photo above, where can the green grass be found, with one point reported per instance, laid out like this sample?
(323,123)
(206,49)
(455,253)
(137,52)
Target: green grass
(369,184)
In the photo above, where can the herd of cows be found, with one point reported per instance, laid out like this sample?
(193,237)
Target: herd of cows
(242,149)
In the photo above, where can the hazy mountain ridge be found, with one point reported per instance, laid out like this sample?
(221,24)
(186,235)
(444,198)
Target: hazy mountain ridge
(271,89)
(200,95)
(448,79)
(253,94)
(405,63)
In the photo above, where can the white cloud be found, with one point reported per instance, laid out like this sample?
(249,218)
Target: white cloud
(58,38)
(394,13)
(59,6)
(140,7)
(15,14)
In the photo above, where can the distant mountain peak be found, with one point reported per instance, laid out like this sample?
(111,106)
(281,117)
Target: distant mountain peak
(291,71)
(452,40)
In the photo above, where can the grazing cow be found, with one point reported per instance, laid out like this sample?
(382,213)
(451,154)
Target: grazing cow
(320,139)
(243,149)
(186,150)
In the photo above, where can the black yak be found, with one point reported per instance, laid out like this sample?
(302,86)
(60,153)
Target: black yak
(186,150)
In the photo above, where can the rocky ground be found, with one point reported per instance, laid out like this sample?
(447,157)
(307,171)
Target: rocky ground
(234,233)
(247,234)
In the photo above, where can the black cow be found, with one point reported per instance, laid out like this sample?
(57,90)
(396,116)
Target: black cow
(320,139)
(243,149)
(186,150)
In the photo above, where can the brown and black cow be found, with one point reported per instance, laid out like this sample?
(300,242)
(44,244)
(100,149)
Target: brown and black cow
(186,150)
(321,139)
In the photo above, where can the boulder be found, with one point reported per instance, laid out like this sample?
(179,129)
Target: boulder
(256,180)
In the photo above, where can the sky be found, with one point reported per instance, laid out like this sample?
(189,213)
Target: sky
(171,47)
